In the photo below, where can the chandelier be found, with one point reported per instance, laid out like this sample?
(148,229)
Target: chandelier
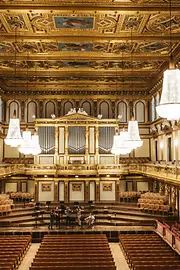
(169,106)
(120,145)
(13,137)
(26,145)
(36,149)
(134,139)
(30,144)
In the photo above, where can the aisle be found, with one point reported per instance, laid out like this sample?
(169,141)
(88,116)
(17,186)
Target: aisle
(26,262)
(119,258)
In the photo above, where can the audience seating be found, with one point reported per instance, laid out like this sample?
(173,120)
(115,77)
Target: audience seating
(145,252)
(18,160)
(153,202)
(129,195)
(12,250)
(134,160)
(5,204)
(21,196)
(73,252)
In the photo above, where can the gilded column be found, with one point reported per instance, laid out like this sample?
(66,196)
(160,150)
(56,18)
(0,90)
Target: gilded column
(56,145)
(66,144)
(97,191)
(97,144)
(56,191)
(66,191)
(117,189)
(59,108)
(113,108)
(86,191)
(167,191)
(40,109)
(36,191)
(87,144)
(161,188)
(22,110)
(173,197)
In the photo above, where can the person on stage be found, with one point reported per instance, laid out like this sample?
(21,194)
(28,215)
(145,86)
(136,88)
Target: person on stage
(57,216)
(90,220)
(78,214)
(50,226)
(68,216)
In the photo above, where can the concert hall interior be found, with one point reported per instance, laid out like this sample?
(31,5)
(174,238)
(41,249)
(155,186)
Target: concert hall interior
(89,134)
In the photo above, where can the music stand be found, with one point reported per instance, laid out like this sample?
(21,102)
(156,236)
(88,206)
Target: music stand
(76,203)
(90,202)
(35,214)
(48,204)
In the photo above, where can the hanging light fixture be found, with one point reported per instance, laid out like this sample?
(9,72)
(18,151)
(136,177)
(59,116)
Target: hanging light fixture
(13,137)
(26,146)
(133,138)
(169,106)
(36,149)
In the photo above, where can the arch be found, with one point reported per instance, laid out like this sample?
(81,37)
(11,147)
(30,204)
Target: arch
(14,106)
(152,109)
(67,106)
(140,111)
(122,110)
(49,109)
(104,109)
(31,110)
(87,107)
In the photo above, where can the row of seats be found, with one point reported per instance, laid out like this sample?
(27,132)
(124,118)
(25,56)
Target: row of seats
(73,252)
(129,196)
(150,207)
(18,160)
(134,160)
(5,204)
(148,252)
(21,196)
(12,250)
(153,196)
(150,201)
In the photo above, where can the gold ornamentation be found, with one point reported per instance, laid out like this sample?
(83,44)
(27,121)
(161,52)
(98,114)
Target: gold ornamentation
(76,187)
(107,187)
(46,187)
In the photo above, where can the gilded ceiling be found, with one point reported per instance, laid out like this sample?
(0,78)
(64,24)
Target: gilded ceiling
(117,46)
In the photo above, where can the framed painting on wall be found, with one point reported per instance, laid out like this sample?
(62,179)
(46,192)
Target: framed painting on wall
(76,187)
(46,187)
(107,187)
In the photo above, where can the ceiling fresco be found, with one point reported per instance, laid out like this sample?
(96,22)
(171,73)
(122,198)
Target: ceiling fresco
(75,43)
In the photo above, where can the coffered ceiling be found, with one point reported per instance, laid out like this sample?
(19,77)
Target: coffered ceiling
(118,47)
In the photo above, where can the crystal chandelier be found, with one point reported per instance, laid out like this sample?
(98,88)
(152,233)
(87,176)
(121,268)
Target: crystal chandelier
(13,137)
(134,139)
(30,144)
(36,150)
(26,145)
(120,145)
(169,106)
